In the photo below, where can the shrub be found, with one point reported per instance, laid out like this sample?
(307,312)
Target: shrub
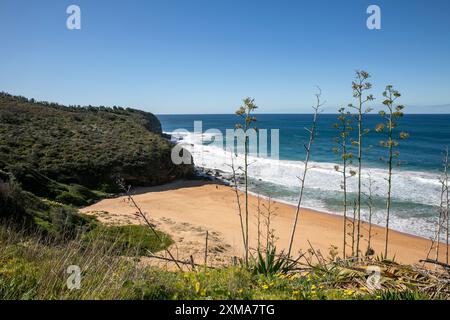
(70,198)
(138,238)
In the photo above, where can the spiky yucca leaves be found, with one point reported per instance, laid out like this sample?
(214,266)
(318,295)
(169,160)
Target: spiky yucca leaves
(269,263)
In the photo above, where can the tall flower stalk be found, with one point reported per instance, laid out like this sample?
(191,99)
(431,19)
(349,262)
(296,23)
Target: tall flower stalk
(391,117)
(312,135)
(371,188)
(344,128)
(360,85)
(447,201)
(443,218)
(245,112)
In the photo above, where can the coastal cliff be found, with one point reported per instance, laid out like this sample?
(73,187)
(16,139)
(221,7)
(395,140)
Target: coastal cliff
(75,155)
(90,146)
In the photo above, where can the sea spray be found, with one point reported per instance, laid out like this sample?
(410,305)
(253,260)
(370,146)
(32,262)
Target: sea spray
(415,193)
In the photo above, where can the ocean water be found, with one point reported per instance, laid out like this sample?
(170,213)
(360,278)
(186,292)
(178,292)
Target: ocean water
(416,188)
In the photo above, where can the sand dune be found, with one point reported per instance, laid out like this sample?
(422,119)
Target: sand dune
(186,209)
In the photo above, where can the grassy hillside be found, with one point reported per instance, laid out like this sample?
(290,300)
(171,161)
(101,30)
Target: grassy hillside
(31,269)
(54,158)
(25,210)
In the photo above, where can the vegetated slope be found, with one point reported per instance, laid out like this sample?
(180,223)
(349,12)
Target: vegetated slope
(31,213)
(74,155)
(89,146)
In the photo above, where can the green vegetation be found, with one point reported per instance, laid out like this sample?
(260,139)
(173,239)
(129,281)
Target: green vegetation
(88,146)
(443,222)
(49,218)
(53,157)
(245,113)
(127,238)
(391,116)
(31,268)
(344,127)
(269,263)
(312,135)
(360,85)
(44,187)
(34,267)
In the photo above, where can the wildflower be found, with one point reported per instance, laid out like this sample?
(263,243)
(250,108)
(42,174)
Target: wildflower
(197,287)
(349,292)
(265,287)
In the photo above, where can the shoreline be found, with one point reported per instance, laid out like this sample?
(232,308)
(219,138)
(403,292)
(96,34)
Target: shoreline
(220,177)
(187,209)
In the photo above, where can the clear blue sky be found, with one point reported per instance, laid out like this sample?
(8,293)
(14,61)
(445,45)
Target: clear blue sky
(194,56)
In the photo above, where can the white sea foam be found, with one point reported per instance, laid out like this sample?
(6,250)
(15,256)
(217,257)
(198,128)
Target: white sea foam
(409,187)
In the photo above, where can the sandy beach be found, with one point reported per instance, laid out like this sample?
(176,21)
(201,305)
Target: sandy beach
(187,209)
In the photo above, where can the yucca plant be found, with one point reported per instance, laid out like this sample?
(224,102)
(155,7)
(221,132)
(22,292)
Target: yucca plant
(391,117)
(312,135)
(245,112)
(409,294)
(344,127)
(370,194)
(269,263)
(444,203)
(360,85)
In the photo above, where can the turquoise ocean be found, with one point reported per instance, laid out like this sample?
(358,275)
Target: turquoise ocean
(416,186)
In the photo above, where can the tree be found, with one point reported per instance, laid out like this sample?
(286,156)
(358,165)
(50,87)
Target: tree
(391,117)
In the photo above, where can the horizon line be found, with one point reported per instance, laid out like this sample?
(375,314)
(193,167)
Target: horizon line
(283,113)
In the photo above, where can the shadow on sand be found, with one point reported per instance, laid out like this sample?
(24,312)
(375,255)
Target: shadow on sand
(179,184)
